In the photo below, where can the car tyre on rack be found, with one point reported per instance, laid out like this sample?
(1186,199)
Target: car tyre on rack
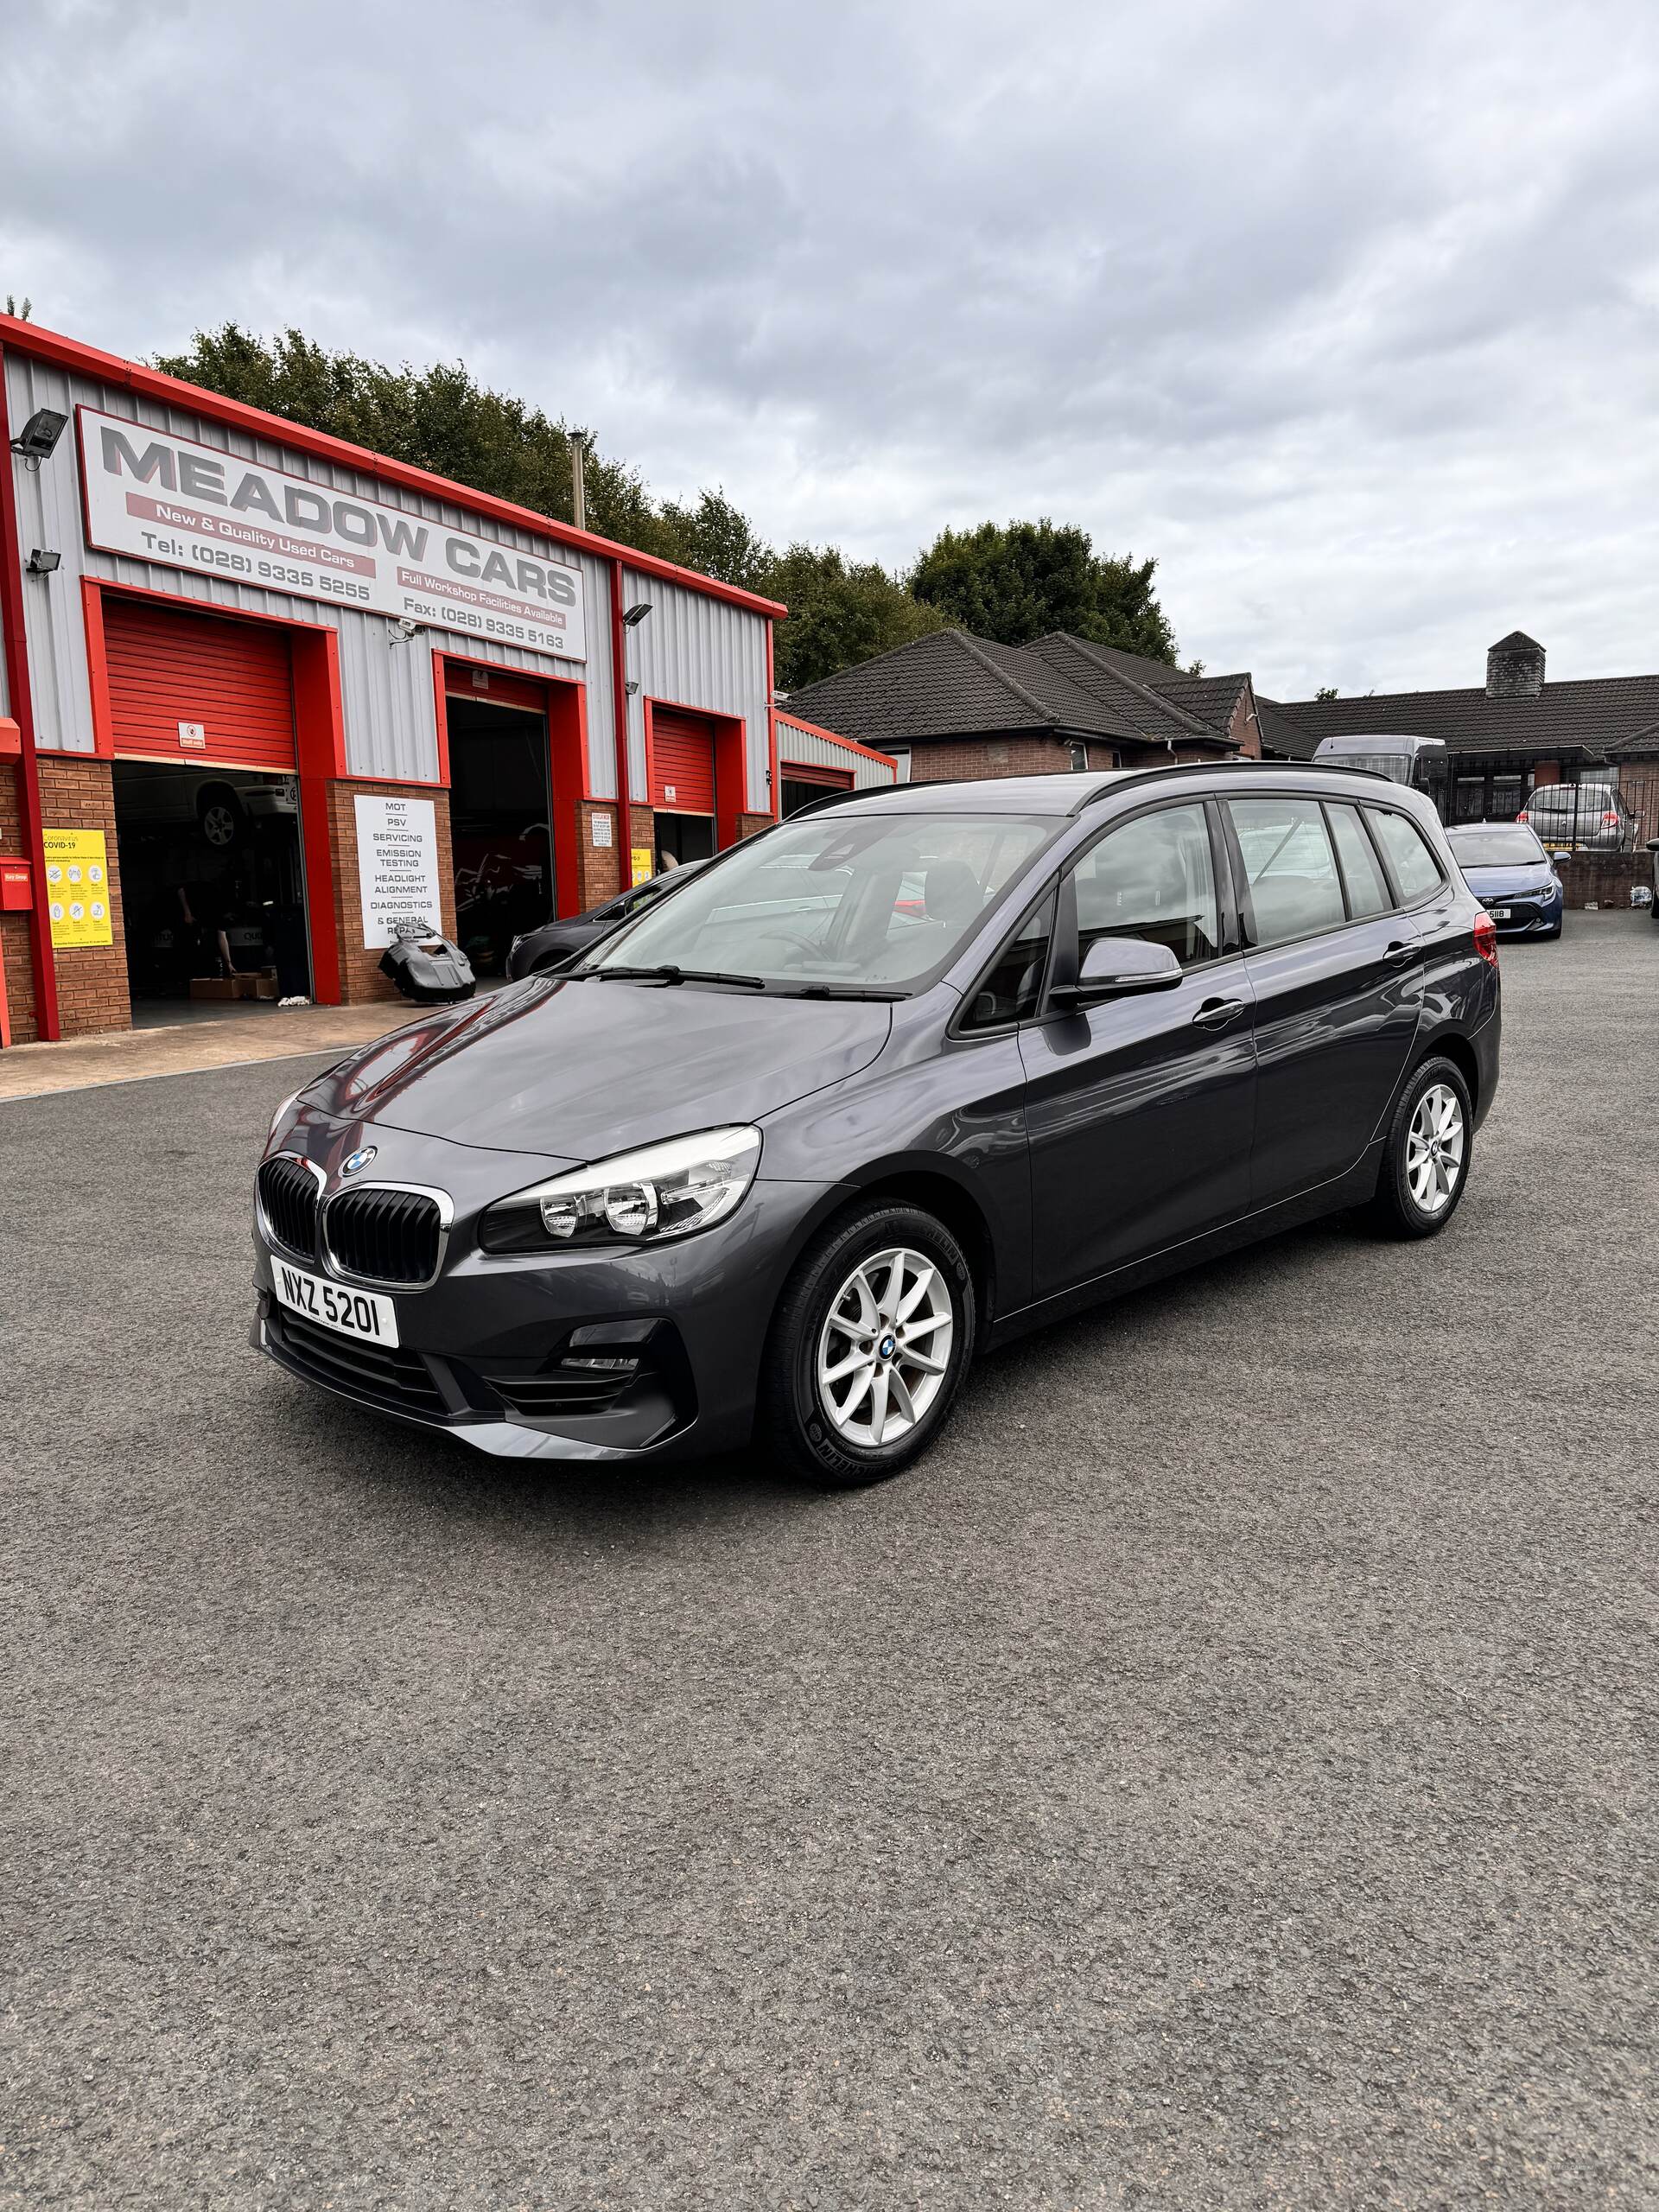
(219,814)
(1425,1166)
(871,1339)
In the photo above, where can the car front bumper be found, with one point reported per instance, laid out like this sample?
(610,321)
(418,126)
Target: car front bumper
(1528,916)
(626,1355)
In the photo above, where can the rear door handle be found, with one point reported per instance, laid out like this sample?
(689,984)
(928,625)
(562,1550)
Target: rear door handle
(1397,953)
(1215,1014)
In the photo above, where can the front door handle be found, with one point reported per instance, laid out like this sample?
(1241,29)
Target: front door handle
(1215,1014)
(1397,954)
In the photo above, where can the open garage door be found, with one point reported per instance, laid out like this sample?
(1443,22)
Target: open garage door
(682,783)
(206,807)
(184,684)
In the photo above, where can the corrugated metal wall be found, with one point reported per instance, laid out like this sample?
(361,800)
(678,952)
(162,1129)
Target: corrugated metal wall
(391,723)
(797,743)
(692,650)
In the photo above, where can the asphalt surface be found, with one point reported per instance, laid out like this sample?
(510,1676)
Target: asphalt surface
(1220,1775)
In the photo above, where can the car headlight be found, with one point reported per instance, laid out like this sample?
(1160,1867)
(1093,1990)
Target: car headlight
(662,1191)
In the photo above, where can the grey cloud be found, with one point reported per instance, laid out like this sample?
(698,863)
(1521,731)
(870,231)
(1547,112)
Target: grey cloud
(1345,314)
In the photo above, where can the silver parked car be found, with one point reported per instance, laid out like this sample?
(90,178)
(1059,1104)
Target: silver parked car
(1592,817)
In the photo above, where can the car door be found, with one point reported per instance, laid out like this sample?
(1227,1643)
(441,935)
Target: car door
(1138,1110)
(1335,972)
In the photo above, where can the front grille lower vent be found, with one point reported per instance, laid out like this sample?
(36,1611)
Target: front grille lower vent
(287,1195)
(384,1235)
(391,1376)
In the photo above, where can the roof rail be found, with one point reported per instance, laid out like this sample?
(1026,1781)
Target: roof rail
(1122,775)
(840,798)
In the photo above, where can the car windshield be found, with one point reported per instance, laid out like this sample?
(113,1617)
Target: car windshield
(883,901)
(1501,848)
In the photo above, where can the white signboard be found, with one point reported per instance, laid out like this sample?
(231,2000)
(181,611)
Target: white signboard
(396,866)
(169,499)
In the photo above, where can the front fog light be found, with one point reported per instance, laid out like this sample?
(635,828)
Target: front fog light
(639,1198)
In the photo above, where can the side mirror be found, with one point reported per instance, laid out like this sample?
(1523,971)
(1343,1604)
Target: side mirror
(1120,966)
(1653,844)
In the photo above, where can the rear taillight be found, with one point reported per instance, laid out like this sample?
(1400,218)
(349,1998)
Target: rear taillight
(1486,939)
(1523,816)
(1611,820)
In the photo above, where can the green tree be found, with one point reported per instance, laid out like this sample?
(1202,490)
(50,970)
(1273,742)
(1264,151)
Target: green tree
(716,539)
(840,612)
(439,418)
(1016,582)
(1325,691)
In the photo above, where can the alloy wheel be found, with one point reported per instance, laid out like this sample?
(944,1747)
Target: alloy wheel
(884,1350)
(1434,1148)
(219,824)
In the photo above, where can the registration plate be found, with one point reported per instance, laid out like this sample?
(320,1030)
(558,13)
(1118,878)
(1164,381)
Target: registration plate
(1499,913)
(353,1312)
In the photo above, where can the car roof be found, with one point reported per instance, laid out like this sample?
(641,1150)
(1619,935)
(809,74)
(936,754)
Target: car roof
(1071,791)
(1499,822)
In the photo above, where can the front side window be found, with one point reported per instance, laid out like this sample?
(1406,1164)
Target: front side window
(1289,866)
(1368,887)
(1154,878)
(1415,868)
(866,899)
(1011,987)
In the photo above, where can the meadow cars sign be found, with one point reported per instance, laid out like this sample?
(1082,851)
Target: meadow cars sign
(165,498)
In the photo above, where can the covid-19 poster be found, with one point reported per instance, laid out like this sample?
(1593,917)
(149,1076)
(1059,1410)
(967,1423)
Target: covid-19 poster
(77,888)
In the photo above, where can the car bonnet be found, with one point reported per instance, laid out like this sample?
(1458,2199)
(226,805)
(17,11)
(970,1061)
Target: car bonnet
(582,1069)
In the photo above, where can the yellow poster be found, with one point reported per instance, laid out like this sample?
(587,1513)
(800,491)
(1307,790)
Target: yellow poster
(643,868)
(78,887)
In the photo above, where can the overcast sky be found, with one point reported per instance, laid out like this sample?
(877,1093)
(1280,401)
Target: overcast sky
(1349,314)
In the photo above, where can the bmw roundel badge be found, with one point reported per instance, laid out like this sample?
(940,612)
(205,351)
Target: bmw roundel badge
(354,1162)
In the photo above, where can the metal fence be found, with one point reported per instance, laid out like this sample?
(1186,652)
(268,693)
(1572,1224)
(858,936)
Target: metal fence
(1569,816)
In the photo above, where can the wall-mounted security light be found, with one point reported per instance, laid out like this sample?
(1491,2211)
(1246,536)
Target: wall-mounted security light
(38,438)
(41,563)
(634,615)
(631,686)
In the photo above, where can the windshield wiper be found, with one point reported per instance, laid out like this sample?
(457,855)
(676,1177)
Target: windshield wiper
(669,973)
(842,991)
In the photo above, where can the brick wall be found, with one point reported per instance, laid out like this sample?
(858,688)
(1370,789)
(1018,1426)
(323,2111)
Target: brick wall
(78,792)
(359,964)
(1242,726)
(599,868)
(1604,879)
(960,760)
(15,960)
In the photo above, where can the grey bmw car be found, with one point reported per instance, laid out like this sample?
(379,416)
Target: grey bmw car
(898,1078)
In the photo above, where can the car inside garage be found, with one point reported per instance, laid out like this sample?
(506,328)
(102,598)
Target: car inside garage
(213,887)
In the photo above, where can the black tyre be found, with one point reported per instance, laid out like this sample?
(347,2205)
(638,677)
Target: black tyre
(219,814)
(1425,1157)
(870,1345)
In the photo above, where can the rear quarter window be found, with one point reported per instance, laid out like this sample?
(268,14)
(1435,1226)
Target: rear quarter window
(1410,856)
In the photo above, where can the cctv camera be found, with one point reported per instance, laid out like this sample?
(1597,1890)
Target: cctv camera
(406,627)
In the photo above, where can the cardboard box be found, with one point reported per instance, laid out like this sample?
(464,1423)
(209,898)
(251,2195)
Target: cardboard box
(264,987)
(214,987)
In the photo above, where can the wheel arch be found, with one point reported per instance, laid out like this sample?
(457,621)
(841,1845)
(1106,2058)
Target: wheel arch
(1452,1044)
(936,1192)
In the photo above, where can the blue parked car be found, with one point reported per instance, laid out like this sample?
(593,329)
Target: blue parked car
(1511,874)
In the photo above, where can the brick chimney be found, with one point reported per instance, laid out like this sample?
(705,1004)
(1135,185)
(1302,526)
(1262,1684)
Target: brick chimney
(1514,667)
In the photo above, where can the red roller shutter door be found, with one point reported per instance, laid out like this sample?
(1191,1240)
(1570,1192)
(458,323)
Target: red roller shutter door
(167,666)
(682,762)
